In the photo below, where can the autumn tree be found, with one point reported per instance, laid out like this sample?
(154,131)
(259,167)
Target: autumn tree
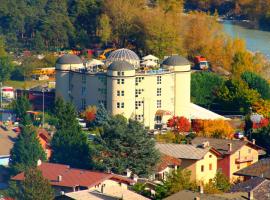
(104,29)
(179,124)
(212,128)
(89,114)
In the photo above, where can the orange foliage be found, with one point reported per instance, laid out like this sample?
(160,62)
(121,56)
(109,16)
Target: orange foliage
(213,128)
(90,113)
(179,124)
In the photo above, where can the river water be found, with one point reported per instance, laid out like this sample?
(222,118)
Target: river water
(256,40)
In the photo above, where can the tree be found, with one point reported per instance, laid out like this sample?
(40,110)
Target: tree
(26,151)
(89,114)
(102,117)
(20,108)
(6,68)
(104,29)
(212,128)
(222,183)
(126,145)
(234,97)
(262,137)
(179,124)
(71,147)
(35,187)
(69,144)
(175,181)
(258,83)
(66,115)
(203,87)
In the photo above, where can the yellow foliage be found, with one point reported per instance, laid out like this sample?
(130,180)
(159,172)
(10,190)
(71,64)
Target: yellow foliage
(262,107)
(213,128)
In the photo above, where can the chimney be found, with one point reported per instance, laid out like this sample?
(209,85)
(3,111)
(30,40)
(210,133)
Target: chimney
(59,178)
(39,162)
(229,146)
(129,172)
(253,141)
(201,189)
(135,178)
(250,195)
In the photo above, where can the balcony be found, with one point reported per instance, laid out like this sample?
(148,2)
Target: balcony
(244,159)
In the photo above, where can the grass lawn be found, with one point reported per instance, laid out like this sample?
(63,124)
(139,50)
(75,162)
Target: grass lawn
(24,84)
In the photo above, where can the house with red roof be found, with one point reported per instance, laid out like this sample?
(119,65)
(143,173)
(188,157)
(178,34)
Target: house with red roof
(44,139)
(65,179)
(166,165)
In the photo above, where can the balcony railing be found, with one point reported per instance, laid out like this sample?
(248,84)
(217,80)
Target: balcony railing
(244,159)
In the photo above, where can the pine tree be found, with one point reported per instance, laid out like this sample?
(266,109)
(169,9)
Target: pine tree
(102,117)
(69,144)
(20,108)
(127,146)
(26,151)
(35,187)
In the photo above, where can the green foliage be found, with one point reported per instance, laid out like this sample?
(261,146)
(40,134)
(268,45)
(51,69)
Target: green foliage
(258,83)
(176,181)
(102,117)
(140,188)
(20,108)
(262,137)
(234,96)
(66,115)
(222,183)
(104,28)
(69,144)
(26,151)
(35,187)
(6,68)
(126,145)
(203,87)
(171,137)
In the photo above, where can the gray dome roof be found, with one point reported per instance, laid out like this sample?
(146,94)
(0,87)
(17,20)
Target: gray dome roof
(176,60)
(120,66)
(123,54)
(69,59)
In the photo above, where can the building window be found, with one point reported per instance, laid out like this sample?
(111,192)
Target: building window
(118,81)
(158,92)
(139,117)
(158,103)
(138,104)
(249,151)
(118,93)
(210,167)
(122,81)
(138,92)
(118,105)
(123,73)
(122,93)
(158,80)
(202,168)
(122,105)
(210,156)
(138,80)
(118,73)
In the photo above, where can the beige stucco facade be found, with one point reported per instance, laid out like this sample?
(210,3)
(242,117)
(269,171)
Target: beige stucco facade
(201,170)
(242,158)
(150,97)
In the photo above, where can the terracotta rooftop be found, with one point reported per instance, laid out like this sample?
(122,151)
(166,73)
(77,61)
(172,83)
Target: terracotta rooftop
(222,145)
(166,161)
(258,169)
(72,177)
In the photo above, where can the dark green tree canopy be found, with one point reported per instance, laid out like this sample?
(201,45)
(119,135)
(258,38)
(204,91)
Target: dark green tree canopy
(203,87)
(26,151)
(126,145)
(20,107)
(35,187)
(258,83)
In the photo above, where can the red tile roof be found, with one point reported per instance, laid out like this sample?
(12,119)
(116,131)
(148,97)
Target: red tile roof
(165,161)
(72,177)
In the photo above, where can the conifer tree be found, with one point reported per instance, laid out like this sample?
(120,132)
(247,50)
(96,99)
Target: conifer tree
(27,150)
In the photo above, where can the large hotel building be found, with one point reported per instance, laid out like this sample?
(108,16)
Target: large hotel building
(149,95)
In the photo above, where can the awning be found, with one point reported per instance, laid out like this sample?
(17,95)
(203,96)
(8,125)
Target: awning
(150,57)
(163,112)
